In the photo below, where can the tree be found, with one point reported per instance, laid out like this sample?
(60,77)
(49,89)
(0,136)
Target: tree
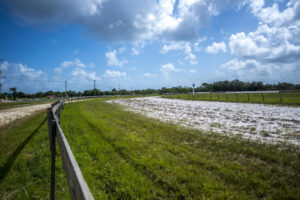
(14,91)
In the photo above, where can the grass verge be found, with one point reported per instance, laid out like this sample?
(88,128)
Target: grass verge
(124,155)
(25,162)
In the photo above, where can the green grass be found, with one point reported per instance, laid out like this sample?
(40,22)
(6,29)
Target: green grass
(22,103)
(124,155)
(25,162)
(292,98)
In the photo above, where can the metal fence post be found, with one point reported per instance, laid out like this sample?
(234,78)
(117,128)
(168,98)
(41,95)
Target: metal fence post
(52,135)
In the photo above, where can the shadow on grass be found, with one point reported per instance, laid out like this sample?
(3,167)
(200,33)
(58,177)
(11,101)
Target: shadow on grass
(5,168)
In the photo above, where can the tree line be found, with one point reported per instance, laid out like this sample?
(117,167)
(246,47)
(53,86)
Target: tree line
(218,86)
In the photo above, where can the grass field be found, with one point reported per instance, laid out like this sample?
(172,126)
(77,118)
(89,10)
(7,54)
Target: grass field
(22,103)
(124,155)
(127,156)
(269,98)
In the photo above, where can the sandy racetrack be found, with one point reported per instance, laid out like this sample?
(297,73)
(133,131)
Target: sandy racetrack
(258,122)
(9,115)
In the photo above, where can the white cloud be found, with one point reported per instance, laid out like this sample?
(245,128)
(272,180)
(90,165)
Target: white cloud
(135,51)
(82,74)
(192,71)
(114,74)
(253,70)
(149,75)
(76,63)
(184,46)
(272,51)
(216,47)
(276,39)
(4,65)
(21,76)
(167,68)
(112,60)
(29,72)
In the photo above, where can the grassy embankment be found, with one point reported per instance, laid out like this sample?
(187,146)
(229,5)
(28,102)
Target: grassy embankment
(268,98)
(126,156)
(25,162)
(22,103)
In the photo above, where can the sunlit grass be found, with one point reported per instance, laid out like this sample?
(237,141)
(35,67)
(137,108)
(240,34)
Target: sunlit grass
(25,162)
(127,156)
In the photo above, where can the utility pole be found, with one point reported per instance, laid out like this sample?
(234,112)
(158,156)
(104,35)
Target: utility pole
(193,89)
(1,60)
(94,87)
(66,87)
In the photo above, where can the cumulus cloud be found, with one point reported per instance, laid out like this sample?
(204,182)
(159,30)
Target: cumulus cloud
(21,76)
(276,38)
(167,68)
(183,46)
(112,60)
(114,74)
(216,47)
(136,20)
(149,75)
(192,71)
(254,70)
(273,48)
(135,51)
(76,63)
(82,74)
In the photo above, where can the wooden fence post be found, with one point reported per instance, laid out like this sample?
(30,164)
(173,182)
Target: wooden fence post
(237,96)
(52,135)
(280,97)
(226,97)
(262,96)
(248,96)
(210,95)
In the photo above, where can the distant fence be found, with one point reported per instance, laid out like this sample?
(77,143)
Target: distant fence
(77,186)
(274,96)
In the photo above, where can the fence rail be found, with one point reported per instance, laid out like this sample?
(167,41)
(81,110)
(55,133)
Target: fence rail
(77,186)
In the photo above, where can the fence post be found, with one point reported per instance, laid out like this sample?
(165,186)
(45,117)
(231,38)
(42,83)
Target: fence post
(237,96)
(226,97)
(52,135)
(263,98)
(210,95)
(248,96)
(280,97)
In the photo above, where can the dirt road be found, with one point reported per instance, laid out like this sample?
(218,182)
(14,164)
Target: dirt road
(9,115)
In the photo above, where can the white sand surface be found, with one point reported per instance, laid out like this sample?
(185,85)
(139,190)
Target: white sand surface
(12,114)
(259,122)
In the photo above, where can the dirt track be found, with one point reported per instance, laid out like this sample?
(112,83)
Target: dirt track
(258,122)
(9,115)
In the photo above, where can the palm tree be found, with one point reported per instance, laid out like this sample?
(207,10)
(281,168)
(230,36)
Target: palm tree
(14,90)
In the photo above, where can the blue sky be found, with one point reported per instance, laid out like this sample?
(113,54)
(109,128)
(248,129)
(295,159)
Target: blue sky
(146,44)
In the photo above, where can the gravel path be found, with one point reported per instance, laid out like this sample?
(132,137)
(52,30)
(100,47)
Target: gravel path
(259,122)
(12,114)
